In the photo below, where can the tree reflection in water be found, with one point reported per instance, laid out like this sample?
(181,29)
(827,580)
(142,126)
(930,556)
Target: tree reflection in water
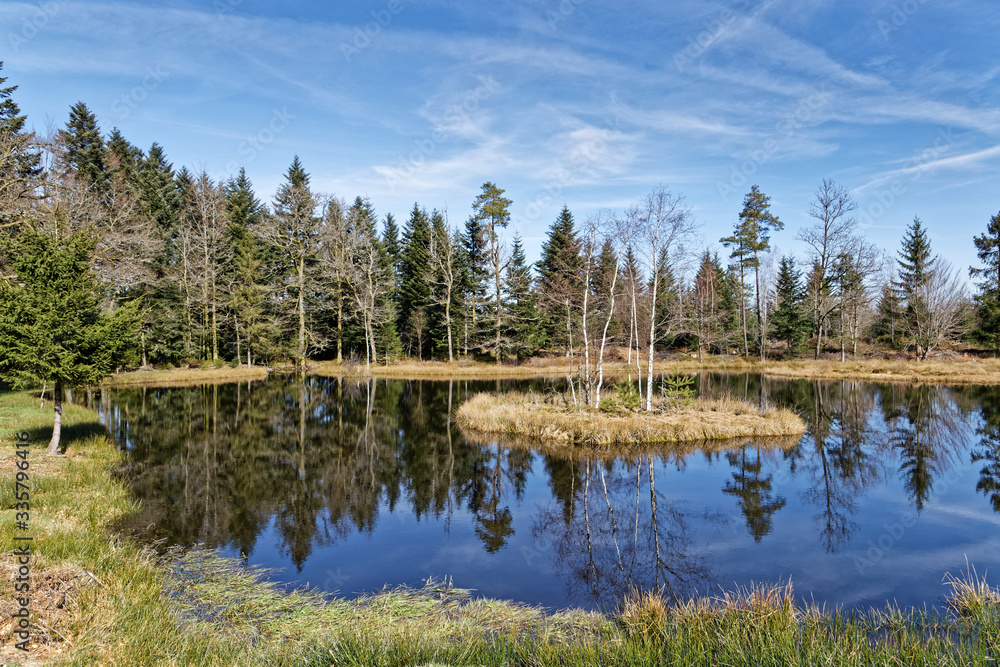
(622,533)
(318,461)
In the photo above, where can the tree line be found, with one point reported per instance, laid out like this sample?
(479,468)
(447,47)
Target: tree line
(209,272)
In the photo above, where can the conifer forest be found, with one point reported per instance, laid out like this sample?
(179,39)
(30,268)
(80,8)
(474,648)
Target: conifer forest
(188,269)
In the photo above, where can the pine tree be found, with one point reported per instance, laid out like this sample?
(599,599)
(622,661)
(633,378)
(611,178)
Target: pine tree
(85,152)
(988,299)
(52,326)
(750,238)
(788,320)
(491,211)
(415,280)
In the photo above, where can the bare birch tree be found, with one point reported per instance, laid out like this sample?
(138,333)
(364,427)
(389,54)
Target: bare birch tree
(828,238)
(661,224)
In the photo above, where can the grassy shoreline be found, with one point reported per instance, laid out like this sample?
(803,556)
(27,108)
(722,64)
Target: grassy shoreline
(102,599)
(961,371)
(703,420)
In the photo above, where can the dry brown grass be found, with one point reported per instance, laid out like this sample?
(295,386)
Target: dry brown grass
(716,419)
(957,371)
(183,377)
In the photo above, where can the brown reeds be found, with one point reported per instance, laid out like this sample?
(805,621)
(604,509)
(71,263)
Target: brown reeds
(716,419)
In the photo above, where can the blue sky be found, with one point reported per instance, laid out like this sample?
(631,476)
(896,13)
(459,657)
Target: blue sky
(581,102)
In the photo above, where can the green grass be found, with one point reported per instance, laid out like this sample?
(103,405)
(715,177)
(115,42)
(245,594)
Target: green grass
(123,605)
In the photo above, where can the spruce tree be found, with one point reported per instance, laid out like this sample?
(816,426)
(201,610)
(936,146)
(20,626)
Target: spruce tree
(474,280)
(391,243)
(560,277)
(988,298)
(788,320)
(914,268)
(248,292)
(293,231)
(521,303)
(415,279)
(52,326)
(20,161)
(85,153)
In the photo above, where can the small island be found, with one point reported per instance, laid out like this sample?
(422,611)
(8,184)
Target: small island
(615,423)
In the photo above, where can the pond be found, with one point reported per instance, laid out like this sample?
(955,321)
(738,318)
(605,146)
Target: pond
(350,486)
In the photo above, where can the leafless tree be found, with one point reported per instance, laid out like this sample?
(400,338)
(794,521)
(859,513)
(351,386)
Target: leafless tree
(336,240)
(208,221)
(942,310)
(829,238)
(445,273)
(662,224)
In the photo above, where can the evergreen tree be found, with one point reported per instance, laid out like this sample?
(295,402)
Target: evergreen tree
(669,309)
(52,327)
(85,152)
(247,292)
(415,283)
(11,119)
(523,323)
(20,161)
(889,316)
(491,211)
(391,243)
(559,270)
(474,280)
(988,298)
(914,268)
(123,162)
(750,238)
(788,320)
(293,231)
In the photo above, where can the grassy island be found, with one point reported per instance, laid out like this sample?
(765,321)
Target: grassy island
(556,420)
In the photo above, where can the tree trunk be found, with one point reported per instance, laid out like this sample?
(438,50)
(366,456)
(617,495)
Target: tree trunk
(447,321)
(301,352)
(57,396)
(743,308)
(652,340)
(340,327)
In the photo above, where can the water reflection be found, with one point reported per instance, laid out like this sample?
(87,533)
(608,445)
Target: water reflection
(302,473)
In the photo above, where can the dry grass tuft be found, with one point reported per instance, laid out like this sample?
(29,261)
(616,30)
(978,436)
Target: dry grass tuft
(717,419)
(971,597)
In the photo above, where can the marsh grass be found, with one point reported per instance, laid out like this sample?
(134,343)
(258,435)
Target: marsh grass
(549,419)
(956,371)
(185,377)
(99,599)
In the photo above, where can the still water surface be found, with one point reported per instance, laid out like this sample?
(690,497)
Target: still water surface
(349,486)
